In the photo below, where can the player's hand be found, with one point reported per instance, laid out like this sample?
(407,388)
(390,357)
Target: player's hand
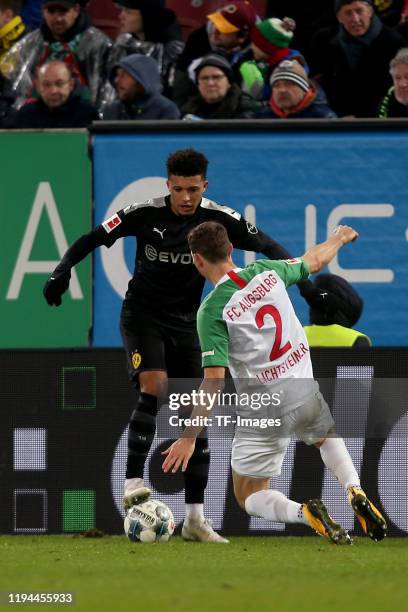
(55,286)
(178,454)
(346,233)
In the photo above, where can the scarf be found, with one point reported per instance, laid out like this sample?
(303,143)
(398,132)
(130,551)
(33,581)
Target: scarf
(306,101)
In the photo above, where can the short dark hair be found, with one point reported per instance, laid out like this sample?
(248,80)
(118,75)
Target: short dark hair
(210,239)
(14,5)
(187,162)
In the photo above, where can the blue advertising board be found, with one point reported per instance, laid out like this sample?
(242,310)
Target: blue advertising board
(296,186)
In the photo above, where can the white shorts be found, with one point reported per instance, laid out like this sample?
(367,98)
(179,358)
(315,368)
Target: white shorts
(260,454)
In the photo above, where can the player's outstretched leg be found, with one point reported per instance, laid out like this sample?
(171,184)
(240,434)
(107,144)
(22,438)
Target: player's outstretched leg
(196,528)
(369,517)
(318,518)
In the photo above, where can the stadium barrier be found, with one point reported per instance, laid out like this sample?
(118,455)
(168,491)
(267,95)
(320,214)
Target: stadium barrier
(64,429)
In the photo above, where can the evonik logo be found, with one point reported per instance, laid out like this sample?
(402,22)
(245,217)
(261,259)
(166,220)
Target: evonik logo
(153,254)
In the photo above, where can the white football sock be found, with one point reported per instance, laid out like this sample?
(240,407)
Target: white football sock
(195,511)
(336,457)
(274,506)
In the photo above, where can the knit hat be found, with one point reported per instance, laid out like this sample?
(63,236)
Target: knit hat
(272,33)
(214,60)
(339,301)
(291,70)
(233,17)
(339,3)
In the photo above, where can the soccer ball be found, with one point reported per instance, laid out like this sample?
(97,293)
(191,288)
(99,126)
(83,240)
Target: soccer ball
(151,521)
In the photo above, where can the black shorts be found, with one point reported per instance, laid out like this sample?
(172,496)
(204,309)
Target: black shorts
(159,342)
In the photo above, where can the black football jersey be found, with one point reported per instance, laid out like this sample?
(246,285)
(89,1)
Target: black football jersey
(165,278)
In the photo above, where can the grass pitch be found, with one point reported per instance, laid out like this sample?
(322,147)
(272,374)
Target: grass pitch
(268,573)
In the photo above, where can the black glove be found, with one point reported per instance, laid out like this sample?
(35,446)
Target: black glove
(55,286)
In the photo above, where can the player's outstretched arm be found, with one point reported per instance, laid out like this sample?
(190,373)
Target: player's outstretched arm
(320,255)
(58,282)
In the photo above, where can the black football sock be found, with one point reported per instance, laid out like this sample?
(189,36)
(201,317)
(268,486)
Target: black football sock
(196,474)
(142,428)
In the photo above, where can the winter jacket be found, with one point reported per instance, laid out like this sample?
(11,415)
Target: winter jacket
(84,48)
(390,107)
(152,105)
(355,91)
(235,105)
(75,113)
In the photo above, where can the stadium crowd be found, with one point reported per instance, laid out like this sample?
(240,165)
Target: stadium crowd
(326,59)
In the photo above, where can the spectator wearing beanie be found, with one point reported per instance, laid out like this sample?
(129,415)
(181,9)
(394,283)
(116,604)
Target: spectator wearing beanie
(335,307)
(226,33)
(147,27)
(218,97)
(294,96)
(353,64)
(270,41)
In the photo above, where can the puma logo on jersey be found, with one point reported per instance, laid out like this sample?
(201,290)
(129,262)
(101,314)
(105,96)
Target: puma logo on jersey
(159,232)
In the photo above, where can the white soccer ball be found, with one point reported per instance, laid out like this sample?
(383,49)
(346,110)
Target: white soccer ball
(151,521)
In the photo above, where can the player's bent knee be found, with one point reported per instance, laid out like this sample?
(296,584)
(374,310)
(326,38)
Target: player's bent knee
(153,383)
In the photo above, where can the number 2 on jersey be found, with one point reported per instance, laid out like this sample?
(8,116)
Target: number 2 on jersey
(277,350)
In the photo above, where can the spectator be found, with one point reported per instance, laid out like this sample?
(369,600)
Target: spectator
(31,12)
(218,97)
(147,27)
(395,103)
(270,45)
(12,27)
(335,307)
(65,34)
(137,83)
(353,65)
(294,96)
(58,106)
(226,33)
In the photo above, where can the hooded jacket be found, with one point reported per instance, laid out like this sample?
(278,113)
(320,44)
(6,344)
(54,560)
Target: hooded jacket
(152,105)
(84,48)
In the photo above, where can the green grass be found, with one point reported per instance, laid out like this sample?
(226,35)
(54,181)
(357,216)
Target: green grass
(270,573)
